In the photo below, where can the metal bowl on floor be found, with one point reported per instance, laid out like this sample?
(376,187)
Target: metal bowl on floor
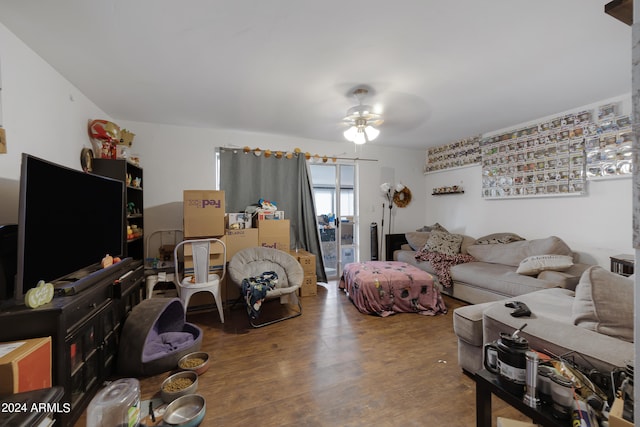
(185,411)
(177,385)
(197,362)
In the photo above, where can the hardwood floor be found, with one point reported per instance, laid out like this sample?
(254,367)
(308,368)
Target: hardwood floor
(333,366)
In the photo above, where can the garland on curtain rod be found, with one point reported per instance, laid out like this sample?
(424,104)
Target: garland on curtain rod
(279,154)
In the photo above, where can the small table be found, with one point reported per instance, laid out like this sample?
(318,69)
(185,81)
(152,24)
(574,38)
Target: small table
(622,264)
(487,384)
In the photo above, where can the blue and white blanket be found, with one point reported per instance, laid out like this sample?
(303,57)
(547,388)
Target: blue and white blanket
(254,290)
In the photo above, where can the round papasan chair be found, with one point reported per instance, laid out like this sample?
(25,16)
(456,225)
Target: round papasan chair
(253,262)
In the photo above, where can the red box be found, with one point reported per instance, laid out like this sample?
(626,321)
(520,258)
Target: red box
(25,365)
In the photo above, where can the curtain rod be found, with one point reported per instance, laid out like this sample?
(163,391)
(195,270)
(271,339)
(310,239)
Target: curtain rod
(289,154)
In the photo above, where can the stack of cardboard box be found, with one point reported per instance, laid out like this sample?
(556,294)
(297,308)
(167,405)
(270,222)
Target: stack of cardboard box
(205,216)
(308,262)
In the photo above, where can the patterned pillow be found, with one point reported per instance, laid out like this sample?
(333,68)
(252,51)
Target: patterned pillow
(498,238)
(434,227)
(444,243)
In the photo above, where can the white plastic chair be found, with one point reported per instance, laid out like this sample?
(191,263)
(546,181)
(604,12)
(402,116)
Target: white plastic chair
(202,280)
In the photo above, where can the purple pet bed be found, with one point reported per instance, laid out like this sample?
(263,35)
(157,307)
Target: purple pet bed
(155,336)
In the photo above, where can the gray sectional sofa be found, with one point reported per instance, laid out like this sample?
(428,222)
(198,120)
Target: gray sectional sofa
(592,326)
(493,275)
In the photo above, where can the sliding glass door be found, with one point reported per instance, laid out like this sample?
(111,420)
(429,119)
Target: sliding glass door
(334,188)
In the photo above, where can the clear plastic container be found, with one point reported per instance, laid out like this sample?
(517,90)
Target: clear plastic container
(116,405)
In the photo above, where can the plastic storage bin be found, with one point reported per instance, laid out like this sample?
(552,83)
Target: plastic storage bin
(116,405)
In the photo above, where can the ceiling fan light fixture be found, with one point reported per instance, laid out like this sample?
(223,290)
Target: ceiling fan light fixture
(372,133)
(360,137)
(361,120)
(361,134)
(350,133)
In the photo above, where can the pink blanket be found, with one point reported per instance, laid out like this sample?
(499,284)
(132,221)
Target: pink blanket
(388,287)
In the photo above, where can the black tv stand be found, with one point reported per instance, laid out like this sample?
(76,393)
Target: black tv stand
(82,279)
(85,329)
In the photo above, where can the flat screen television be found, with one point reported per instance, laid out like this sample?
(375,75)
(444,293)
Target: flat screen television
(68,220)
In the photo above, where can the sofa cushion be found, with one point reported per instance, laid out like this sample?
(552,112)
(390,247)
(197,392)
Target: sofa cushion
(417,239)
(410,258)
(444,243)
(497,278)
(466,242)
(467,322)
(498,238)
(604,303)
(513,253)
(533,265)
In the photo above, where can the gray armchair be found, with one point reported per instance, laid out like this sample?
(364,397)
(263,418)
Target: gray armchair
(253,262)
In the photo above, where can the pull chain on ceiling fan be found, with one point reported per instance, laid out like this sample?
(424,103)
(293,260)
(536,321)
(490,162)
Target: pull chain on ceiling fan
(361,120)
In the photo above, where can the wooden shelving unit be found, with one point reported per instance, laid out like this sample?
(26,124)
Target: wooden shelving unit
(622,10)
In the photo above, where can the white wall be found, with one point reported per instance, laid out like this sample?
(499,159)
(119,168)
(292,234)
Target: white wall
(597,225)
(178,158)
(43,115)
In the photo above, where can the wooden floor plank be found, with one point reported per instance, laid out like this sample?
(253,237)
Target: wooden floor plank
(333,366)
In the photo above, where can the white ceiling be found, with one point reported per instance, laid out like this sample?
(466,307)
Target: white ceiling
(440,70)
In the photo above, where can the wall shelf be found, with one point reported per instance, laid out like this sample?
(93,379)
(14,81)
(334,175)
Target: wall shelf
(447,193)
(622,10)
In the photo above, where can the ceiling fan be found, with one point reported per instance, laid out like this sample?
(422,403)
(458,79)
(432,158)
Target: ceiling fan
(362,120)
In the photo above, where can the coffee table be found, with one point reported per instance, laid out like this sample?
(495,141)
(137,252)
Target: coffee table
(488,384)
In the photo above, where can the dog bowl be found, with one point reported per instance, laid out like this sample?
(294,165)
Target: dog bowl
(185,411)
(177,385)
(190,362)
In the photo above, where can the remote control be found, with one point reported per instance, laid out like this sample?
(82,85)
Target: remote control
(520,309)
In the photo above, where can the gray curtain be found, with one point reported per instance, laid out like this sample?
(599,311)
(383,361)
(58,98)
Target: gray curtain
(247,178)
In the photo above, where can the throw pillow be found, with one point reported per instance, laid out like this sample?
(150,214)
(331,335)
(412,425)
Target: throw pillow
(533,265)
(434,227)
(604,303)
(498,238)
(444,243)
(417,239)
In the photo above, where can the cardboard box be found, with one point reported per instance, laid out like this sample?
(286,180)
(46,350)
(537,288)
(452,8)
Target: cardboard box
(346,233)
(25,365)
(307,261)
(506,422)
(274,234)
(203,213)
(229,292)
(327,234)
(615,415)
(240,239)
(264,215)
(309,286)
(216,255)
(238,221)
